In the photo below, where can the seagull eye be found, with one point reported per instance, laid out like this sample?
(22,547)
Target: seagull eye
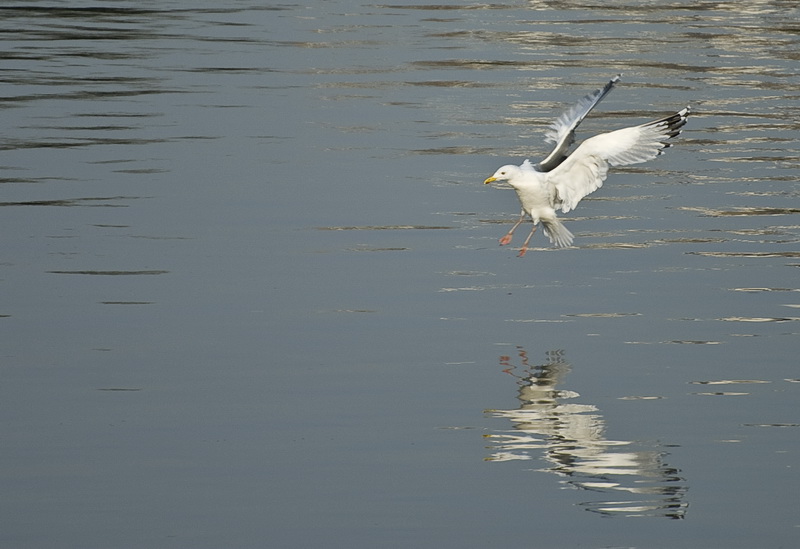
(502,173)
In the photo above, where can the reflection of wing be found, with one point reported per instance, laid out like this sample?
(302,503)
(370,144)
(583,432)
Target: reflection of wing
(562,131)
(584,171)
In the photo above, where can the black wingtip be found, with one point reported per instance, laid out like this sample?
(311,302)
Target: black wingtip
(671,126)
(673,122)
(611,83)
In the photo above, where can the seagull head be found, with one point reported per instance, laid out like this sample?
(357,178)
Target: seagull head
(504,173)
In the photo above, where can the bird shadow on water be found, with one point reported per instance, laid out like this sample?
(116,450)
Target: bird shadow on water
(629,478)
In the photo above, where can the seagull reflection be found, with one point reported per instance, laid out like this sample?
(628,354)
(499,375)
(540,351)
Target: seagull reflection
(631,475)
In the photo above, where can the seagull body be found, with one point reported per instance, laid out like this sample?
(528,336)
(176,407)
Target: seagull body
(561,180)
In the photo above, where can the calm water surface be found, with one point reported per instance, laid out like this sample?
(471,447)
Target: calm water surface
(253,297)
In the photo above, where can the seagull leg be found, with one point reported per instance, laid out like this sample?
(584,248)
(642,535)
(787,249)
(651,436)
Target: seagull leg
(507,238)
(525,244)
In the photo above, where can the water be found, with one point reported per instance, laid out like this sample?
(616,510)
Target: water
(253,294)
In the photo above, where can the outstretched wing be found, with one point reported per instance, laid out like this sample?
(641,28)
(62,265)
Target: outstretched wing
(562,131)
(584,171)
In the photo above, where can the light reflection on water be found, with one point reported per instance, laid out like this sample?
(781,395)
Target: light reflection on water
(198,349)
(571,438)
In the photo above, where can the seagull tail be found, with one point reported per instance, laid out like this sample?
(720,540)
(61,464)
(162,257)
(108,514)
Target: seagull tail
(558,234)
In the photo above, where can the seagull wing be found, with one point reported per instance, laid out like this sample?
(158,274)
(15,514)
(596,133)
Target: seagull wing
(584,171)
(562,131)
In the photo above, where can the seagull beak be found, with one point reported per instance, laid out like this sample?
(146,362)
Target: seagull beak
(489,180)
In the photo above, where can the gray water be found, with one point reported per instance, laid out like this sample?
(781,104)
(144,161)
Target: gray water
(253,297)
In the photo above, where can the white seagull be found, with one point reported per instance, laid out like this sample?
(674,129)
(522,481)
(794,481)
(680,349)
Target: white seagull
(562,179)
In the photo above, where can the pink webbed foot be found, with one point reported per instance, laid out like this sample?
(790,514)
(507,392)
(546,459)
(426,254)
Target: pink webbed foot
(522,251)
(505,240)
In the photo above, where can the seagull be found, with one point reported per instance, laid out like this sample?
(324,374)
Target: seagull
(561,180)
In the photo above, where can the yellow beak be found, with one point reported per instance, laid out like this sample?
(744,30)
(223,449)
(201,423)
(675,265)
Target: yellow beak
(489,180)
